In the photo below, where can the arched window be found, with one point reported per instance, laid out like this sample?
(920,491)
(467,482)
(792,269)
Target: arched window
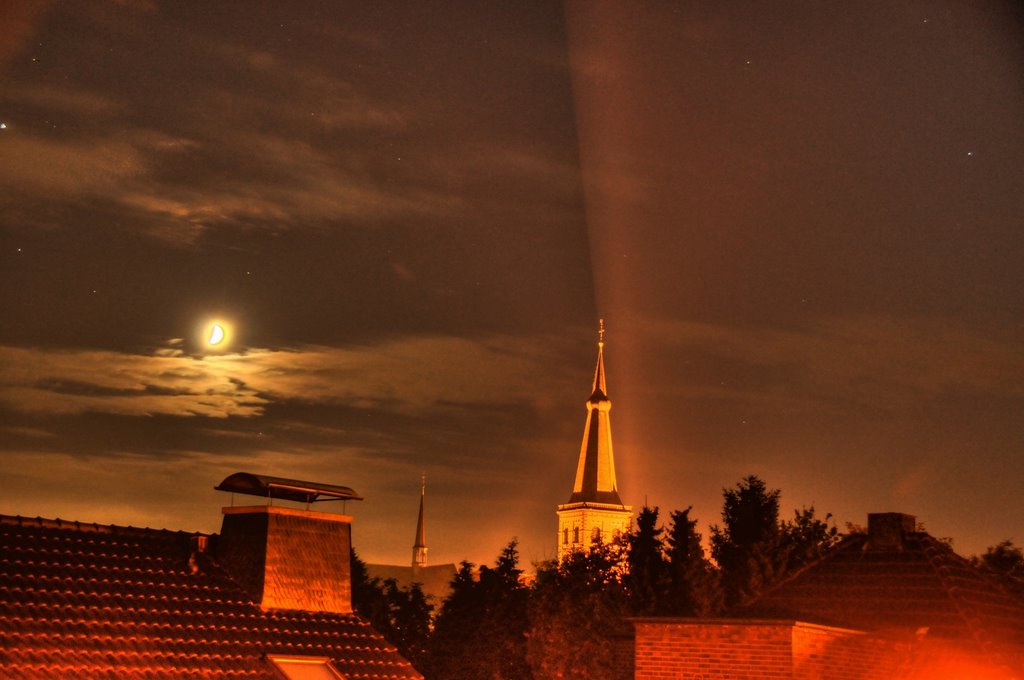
(595,535)
(575,534)
(565,535)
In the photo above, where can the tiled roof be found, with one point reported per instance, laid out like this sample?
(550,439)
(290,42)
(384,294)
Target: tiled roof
(96,601)
(919,586)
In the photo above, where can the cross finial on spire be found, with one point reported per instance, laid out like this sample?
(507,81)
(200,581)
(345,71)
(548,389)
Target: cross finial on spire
(423,483)
(600,333)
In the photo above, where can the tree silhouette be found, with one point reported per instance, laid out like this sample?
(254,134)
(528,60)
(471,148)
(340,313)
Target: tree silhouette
(754,549)
(647,577)
(1004,561)
(806,538)
(401,615)
(578,616)
(480,631)
(746,546)
(693,582)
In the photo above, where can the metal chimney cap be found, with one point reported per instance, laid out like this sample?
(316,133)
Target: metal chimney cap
(285,489)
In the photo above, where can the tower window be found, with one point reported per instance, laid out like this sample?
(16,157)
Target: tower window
(595,535)
(565,535)
(575,534)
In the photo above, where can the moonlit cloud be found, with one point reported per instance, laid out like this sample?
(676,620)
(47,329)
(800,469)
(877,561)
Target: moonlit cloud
(411,376)
(69,170)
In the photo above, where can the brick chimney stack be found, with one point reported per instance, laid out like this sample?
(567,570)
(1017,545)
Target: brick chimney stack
(886,530)
(283,557)
(289,559)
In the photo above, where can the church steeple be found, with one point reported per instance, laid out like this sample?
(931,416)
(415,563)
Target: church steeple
(595,511)
(595,472)
(419,547)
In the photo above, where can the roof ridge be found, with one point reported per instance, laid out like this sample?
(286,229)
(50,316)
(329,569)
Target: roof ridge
(934,551)
(89,527)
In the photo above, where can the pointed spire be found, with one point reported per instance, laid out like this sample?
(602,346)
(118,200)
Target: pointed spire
(600,391)
(419,548)
(595,473)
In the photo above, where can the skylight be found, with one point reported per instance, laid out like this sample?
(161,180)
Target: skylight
(305,668)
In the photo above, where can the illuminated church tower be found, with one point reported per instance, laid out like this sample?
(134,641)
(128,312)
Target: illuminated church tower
(594,511)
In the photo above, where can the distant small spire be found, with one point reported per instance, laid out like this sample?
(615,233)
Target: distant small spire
(419,548)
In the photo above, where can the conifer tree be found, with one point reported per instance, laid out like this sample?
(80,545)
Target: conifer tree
(647,575)
(480,631)
(754,549)
(746,547)
(693,582)
(368,597)
(408,626)
(401,614)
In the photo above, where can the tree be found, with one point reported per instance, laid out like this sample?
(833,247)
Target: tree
(746,546)
(754,549)
(806,538)
(693,582)
(368,597)
(647,567)
(578,615)
(1005,562)
(480,631)
(1003,558)
(401,615)
(409,616)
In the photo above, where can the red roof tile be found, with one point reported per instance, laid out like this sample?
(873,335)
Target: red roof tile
(93,601)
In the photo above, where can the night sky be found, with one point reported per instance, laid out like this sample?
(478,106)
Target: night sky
(802,222)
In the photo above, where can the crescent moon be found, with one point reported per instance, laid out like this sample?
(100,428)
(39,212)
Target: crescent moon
(216,334)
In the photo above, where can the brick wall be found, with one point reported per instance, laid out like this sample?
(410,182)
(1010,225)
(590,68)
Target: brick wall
(711,650)
(623,657)
(824,652)
(702,649)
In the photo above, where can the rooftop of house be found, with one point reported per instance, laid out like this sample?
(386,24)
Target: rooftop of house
(97,601)
(896,578)
(435,580)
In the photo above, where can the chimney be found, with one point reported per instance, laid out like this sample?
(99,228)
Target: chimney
(288,558)
(888,529)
